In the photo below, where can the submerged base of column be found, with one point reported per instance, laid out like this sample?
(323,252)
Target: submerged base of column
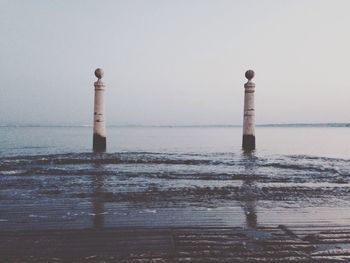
(248,142)
(99,143)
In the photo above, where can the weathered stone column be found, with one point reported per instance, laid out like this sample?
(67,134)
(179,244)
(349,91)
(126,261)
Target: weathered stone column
(249,115)
(99,138)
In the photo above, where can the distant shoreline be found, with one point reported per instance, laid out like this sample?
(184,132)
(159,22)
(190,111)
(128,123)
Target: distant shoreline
(277,125)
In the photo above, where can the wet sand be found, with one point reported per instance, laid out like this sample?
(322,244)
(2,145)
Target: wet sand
(146,207)
(200,244)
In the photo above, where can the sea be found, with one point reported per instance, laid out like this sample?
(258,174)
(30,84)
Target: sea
(168,176)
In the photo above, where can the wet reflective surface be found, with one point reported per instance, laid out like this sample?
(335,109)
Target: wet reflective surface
(174,195)
(43,189)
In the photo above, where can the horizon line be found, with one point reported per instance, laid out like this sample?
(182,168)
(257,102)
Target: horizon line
(303,124)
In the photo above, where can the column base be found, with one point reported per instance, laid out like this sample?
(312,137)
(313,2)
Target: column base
(99,143)
(248,142)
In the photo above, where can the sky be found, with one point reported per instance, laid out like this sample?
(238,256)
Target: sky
(174,62)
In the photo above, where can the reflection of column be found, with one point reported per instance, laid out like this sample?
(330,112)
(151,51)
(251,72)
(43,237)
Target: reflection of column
(97,202)
(249,189)
(249,204)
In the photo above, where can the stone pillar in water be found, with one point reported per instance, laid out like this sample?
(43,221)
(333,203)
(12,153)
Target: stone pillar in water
(248,143)
(99,138)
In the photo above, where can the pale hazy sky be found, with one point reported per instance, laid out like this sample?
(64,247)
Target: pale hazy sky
(174,62)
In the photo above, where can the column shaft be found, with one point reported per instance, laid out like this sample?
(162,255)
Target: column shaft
(99,137)
(249,117)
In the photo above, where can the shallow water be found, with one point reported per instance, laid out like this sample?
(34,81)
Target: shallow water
(173,177)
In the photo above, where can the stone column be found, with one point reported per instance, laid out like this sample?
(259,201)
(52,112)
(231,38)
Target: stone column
(99,138)
(249,115)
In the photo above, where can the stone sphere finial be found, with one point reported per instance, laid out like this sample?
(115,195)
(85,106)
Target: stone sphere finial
(99,73)
(249,74)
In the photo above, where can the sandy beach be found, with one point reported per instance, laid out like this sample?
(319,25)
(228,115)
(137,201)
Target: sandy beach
(206,244)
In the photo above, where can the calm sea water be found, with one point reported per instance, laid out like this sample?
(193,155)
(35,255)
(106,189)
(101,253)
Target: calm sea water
(322,142)
(49,178)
